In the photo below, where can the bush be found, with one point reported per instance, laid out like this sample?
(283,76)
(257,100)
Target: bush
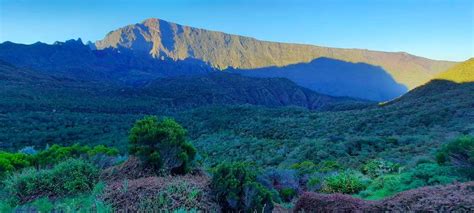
(344,182)
(56,153)
(236,189)
(82,203)
(10,162)
(161,145)
(68,178)
(305,167)
(378,167)
(284,181)
(426,174)
(459,153)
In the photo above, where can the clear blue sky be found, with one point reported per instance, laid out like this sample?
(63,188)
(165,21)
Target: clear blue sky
(438,29)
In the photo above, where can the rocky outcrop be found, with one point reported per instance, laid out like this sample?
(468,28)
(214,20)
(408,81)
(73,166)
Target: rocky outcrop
(163,39)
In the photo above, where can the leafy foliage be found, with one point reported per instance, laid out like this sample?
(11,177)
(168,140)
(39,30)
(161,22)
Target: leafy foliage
(82,203)
(378,167)
(70,177)
(425,174)
(57,153)
(347,182)
(459,153)
(283,181)
(236,189)
(10,162)
(162,144)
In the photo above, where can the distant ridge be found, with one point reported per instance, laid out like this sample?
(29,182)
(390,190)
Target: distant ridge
(163,39)
(461,73)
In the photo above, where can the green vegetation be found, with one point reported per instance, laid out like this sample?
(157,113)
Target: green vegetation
(460,73)
(71,177)
(100,155)
(236,189)
(82,203)
(460,154)
(12,161)
(370,152)
(162,145)
(379,167)
(425,174)
(347,182)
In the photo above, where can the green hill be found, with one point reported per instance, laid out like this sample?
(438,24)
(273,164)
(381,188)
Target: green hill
(461,73)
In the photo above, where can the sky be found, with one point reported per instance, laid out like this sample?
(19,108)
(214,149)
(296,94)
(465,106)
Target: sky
(436,29)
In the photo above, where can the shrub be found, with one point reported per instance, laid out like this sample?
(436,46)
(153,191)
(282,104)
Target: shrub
(459,153)
(161,145)
(378,167)
(236,189)
(305,167)
(68,178)
(422,175)
(329,165)
(284,181)
(82,203)
(347,182)
(10,162)
(56,153)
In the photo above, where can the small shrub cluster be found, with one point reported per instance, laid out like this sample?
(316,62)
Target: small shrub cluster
(425,174)
(82,203)
(460,154)
(283,181)
(236,188)
(161,144)
(57,153)
(71,177)
(378,167)
(100,155)
(10,162)
(347,182)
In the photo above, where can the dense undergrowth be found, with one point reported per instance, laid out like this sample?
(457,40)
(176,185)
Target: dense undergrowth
(63,178)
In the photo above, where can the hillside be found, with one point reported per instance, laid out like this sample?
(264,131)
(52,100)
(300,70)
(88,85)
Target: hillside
(163,39)
(460,73)
(337,78)
(34,96)
(72,59)
(231,89)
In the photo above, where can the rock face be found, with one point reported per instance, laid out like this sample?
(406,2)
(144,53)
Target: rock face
(163,39)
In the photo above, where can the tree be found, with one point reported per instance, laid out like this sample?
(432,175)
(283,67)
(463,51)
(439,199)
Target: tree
(237,190)
(161,144)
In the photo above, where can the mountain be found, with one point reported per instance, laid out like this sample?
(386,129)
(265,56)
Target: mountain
(162,39)
(460,73)
(337,78)
(72,59)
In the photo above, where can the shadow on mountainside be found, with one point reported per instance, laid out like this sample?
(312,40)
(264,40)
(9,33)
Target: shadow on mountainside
(336,78)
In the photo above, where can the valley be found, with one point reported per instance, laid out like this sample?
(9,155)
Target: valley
(160,116)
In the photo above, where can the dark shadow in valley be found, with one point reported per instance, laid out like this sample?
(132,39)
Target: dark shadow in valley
(336,78)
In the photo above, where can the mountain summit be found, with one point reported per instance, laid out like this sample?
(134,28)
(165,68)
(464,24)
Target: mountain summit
(162,39)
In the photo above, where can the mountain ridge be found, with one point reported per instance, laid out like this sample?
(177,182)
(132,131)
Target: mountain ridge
(162,39)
